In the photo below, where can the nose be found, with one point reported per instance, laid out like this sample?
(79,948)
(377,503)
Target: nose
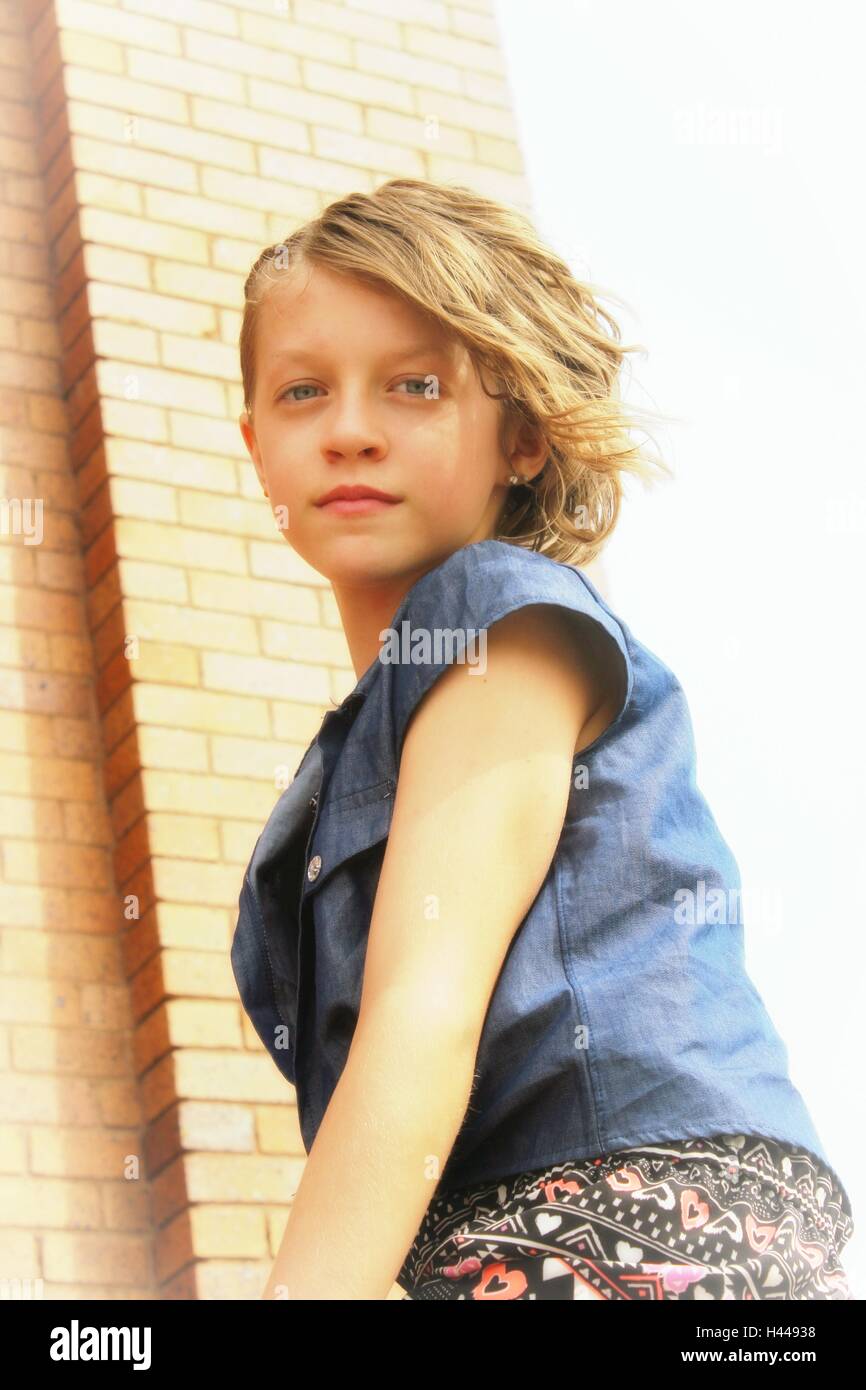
(351,430)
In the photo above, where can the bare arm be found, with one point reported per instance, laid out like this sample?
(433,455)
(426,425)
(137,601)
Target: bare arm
(481,797)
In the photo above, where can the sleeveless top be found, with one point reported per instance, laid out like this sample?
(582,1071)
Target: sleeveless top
(623,1013)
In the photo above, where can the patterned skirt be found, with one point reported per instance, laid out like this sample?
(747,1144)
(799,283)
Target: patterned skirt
(730,1217)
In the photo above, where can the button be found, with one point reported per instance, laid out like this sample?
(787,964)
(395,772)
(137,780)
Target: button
(314,867)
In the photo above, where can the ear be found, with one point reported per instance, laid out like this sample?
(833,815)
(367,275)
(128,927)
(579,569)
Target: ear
(247,429)
(526,448)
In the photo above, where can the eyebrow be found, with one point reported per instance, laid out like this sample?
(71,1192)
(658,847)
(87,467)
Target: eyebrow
(281,359)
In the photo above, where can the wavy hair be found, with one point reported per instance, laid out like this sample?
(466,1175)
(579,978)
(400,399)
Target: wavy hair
(480,268)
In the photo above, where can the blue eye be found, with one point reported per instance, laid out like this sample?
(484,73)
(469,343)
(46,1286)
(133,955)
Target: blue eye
(304,386)
(288,394)
(420,380)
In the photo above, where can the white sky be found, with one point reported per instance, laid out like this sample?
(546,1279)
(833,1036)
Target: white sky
(739,255)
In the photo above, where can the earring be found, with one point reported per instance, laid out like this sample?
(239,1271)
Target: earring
(515,479)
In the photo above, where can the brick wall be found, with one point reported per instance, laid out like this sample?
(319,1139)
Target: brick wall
(164,657)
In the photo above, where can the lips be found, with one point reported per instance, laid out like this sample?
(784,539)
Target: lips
(365,505)
(355,494)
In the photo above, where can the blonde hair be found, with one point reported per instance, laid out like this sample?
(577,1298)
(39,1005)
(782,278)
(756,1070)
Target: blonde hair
(480,268)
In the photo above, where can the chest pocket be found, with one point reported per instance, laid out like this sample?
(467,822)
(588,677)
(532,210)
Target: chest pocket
(349,826)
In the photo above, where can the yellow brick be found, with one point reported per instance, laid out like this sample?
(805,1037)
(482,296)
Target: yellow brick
(144,540)
(259,597)
(225,1076)
(138,579)
(148,501)
(410,11)
(237,838)
(202,78)
(128,159)
(105,191)
(281,36)
(228,1232)
(150,385)
(65,955)
(484,87)
(108,22)
(279,561)
(278,1130)
(301,103)
(199,14)
(163,622)
(92,1258)
(122,340)
(472,25)
(387,62)
(21,815)
(200,709)
(370,154)
(281,680)
(162,662)
(41,1203)
(230,319)
(172,748)
(361,24)
(187,837)
(359,85)
(87,51)
(222,514)
(212,359)
(237,256)
(156,238)
(143,133)
(137,421)
(153,310)
(13,1157)
(124,94)
(256,757)
(213,116)
(313,644)
(218,52)
(203,211)
(117,266)
(131,459)
(413,131)
(79,1152)
(200,432)
(211,883)
(314,172)
(502,154)
(463,53)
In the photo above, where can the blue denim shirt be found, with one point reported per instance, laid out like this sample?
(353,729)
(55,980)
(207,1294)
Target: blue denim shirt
(623,1013)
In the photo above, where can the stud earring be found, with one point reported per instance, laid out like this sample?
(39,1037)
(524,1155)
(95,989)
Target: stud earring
(515,479)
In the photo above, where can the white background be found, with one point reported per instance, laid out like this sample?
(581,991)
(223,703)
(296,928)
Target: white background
(704,164)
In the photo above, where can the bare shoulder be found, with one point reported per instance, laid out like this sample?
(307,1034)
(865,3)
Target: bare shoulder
(535,687)
(542,661)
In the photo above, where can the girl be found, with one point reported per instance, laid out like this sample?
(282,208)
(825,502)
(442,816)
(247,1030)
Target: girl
(511,988)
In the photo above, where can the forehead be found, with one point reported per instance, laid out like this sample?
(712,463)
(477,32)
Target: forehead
(300,313)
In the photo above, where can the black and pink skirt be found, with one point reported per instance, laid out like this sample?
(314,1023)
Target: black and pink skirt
(730,1217)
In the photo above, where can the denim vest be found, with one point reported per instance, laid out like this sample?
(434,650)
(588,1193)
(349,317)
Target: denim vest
(623,1013)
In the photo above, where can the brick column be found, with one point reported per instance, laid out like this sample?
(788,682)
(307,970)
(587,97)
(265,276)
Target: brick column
(166,657)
